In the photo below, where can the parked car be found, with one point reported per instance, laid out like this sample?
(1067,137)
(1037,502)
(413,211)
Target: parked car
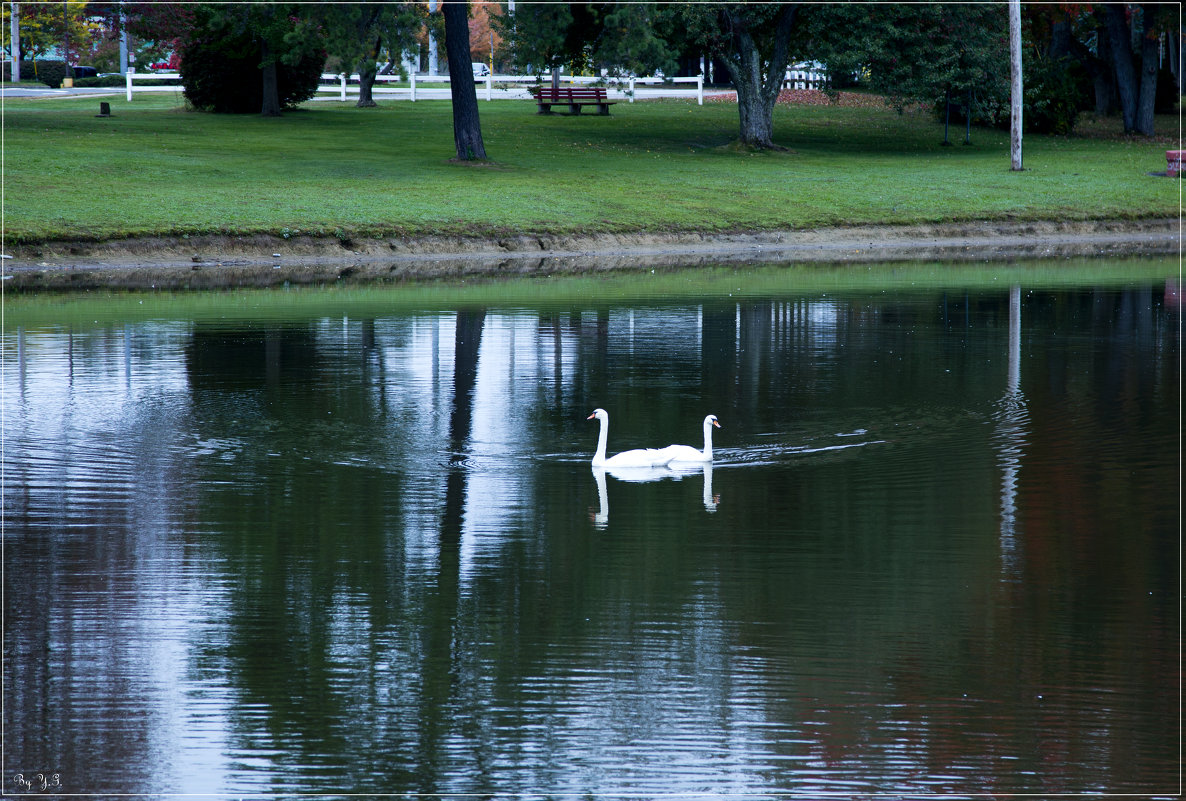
(85,72)
(481,69)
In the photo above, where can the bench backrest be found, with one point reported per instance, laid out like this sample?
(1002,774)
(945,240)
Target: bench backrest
(569,93)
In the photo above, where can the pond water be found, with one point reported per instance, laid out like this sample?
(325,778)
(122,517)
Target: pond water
(351,542)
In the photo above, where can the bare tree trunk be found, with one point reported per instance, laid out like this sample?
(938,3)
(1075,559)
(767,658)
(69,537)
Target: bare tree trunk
(1098,65)
(1122,62)
(367,71)
(756,78)
(1150,63)
(1137,88)
(271,89)
(467,128)
(756,115)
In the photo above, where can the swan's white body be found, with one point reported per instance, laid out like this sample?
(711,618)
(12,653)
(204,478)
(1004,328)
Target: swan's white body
(686,453)
(641,457)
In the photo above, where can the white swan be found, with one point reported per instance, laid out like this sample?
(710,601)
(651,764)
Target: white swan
(686,453)
(642,457)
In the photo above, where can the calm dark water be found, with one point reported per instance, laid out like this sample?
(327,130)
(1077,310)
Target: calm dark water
(938,551)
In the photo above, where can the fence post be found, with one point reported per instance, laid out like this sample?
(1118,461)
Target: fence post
(128,79)
(342,78)
(413,87)
(489,84)
(700,89)
(631,88)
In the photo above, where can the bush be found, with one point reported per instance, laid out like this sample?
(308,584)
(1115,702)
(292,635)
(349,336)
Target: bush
(220,72)
(1054,94)
(104,81)
(49,73)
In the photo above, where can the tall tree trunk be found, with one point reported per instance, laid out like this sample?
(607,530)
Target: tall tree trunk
(1137,88)
(1150,64)
(1122,62)
(271,101)
(467,128)
(1098,65)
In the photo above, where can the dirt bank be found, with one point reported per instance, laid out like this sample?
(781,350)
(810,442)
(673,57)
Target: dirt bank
(224,261)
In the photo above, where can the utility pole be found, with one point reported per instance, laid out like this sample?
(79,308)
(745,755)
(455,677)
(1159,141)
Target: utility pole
(123,40)
(1015,92)
(14,29)
(432,41)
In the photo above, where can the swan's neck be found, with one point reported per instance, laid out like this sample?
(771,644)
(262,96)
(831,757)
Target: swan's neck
(708,441)
(602,436)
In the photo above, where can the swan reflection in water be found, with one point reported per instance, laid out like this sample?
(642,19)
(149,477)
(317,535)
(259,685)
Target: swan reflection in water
(674,471)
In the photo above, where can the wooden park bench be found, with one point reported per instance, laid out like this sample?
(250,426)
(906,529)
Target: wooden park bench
(572,96)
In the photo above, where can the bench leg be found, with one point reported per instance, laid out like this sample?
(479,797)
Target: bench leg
(545,108)
(574,109)
(603,109)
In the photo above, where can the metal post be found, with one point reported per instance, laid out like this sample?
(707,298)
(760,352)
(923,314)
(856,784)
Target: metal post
(946,113)
(968,119)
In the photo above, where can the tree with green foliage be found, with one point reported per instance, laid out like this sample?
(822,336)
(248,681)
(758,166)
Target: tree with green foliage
(45,27)
(357,34)
(752,39)
(754,42)
(620,37)
(250,57)
(1133,32)
(915,53)
(538,35)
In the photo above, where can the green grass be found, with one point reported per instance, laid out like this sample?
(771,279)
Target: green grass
(681,286)
(154,168)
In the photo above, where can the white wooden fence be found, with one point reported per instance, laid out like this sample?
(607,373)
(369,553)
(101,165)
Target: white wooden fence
(132,76)
(805,76)
(421,87)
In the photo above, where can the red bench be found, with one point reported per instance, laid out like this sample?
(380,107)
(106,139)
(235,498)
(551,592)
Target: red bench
(574,97)
(1173,162)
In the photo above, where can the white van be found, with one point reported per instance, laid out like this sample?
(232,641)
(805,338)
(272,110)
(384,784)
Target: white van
(481,69)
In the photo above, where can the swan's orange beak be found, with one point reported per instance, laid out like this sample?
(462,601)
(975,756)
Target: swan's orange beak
(716,424)
(590,417)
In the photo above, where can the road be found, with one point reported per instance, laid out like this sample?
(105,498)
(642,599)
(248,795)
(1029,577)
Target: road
(45,91)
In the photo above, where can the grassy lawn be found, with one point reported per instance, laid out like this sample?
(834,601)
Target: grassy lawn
(154,168)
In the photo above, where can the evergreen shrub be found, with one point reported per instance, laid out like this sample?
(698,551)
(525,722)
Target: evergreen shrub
(220,72)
